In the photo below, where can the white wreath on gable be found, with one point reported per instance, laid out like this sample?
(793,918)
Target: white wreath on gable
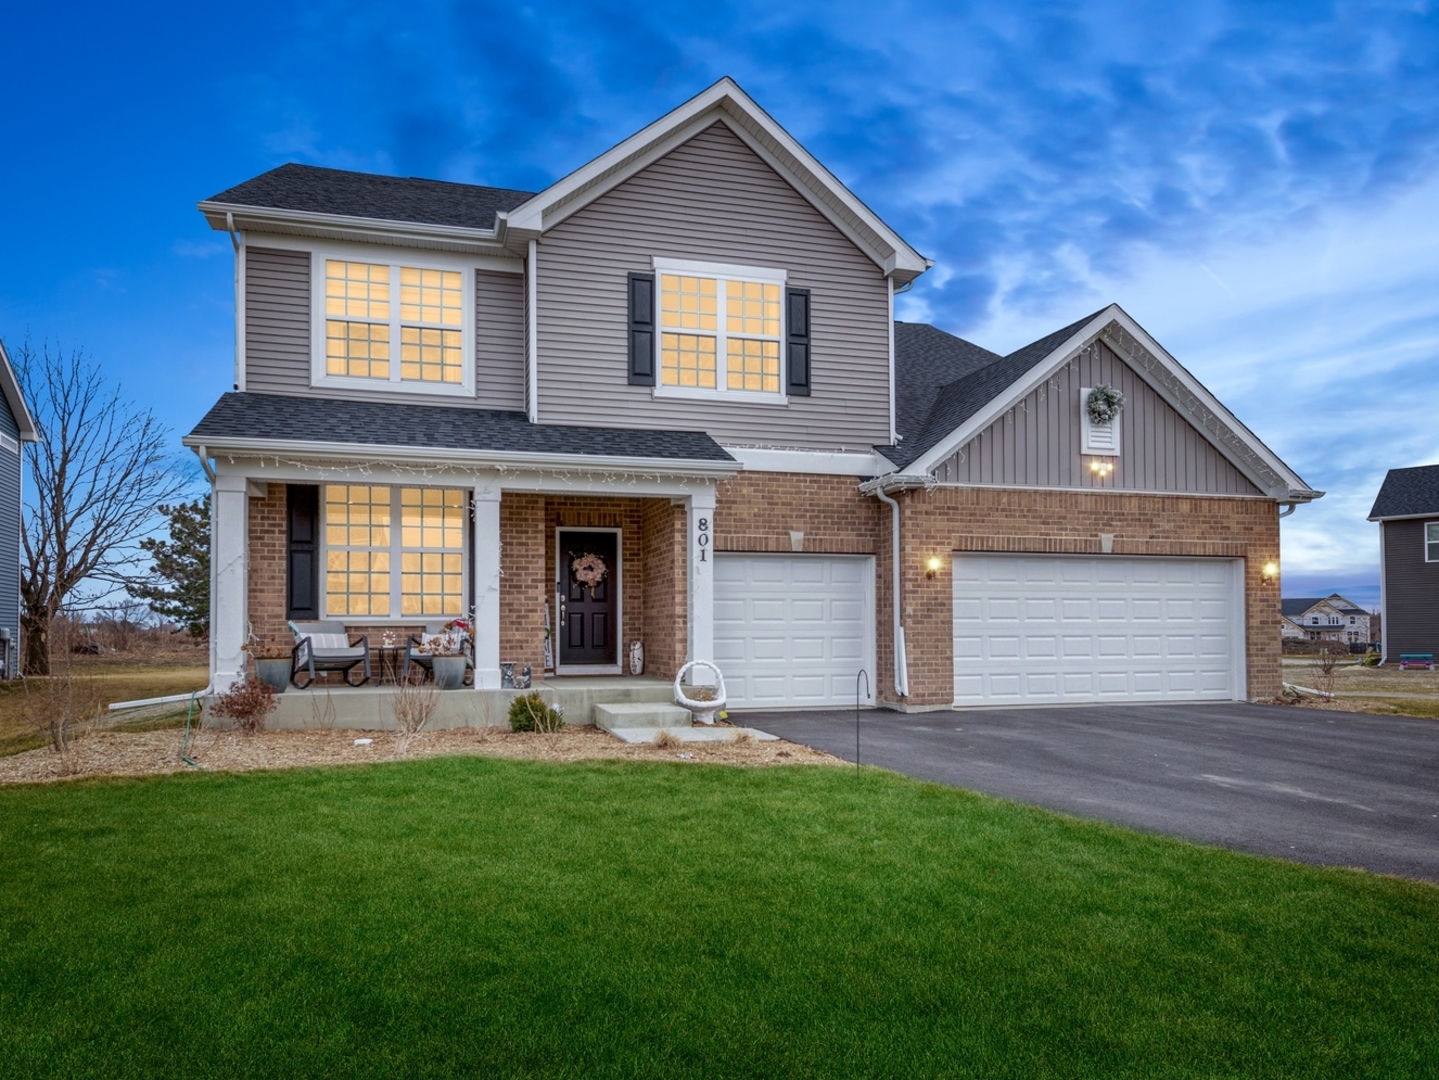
(1103,404)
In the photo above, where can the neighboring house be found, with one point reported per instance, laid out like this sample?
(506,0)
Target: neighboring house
(1407,510)
(1326,618)
(16,427)
(681,360)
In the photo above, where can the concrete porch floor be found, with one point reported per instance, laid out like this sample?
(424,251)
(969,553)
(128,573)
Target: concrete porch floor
(368,707)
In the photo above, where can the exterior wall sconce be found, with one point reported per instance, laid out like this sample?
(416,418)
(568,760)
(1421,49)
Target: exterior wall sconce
(932,567)
(1270,572)
(1101,468)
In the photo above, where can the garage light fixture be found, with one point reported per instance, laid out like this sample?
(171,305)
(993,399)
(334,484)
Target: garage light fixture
(932,567)
(1101,467)
(1271,571)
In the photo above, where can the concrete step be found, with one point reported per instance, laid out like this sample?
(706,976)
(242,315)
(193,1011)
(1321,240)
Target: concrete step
(640,714)
(689,734)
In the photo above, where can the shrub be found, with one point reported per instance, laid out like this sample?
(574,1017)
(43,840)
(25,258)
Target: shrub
(530,712)
(247,702)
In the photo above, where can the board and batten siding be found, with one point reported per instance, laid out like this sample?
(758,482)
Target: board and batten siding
(11,466)
(1037,443)
(278,327)
(1411,591)
(711,199)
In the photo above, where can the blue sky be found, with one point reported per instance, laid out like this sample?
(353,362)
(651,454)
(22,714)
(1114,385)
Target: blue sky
(1258,184)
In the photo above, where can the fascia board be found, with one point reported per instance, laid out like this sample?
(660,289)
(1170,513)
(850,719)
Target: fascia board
(10,385)
(1433,515)
(341,226)
(1295,490)
(717,470)
(723,100)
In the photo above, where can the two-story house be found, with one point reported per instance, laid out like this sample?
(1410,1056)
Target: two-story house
(1407,510)
(666,401)
(16,427)
(1325,618)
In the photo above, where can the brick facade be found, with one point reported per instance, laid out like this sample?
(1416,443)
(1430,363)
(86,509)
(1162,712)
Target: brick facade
(265,598)
(949,519)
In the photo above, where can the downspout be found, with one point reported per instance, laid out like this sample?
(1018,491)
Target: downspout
(240,314)
(205,463)
(1292,507)
(532,357)
(901,667)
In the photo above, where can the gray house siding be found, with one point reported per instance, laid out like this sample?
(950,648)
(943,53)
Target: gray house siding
(1411,591)
(11,465)
(711,199)
(278,327)
(1037,443)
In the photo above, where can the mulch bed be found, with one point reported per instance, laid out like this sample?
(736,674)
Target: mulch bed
(113,753)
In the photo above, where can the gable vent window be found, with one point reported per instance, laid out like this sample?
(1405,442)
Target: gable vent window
(720,332)
(382,323)
(1096,438)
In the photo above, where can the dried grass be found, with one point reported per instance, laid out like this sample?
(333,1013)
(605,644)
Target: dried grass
(115,753)
(666,739)
(414,705)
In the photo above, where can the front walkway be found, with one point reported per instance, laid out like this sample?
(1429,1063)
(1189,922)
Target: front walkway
(1330,788)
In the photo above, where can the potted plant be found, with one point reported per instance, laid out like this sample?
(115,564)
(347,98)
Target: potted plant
(447,649)
(273,663)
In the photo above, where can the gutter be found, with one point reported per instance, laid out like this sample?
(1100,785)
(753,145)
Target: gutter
(880,488)
(204,461)
(345,453)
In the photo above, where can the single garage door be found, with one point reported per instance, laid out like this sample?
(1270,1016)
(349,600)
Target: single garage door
(792,630)
(1046,629)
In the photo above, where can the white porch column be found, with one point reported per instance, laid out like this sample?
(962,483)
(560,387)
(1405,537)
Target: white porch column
(487,586)
(228,615)
(701,622)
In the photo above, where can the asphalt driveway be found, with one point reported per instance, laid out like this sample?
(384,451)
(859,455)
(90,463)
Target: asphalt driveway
(1335,789)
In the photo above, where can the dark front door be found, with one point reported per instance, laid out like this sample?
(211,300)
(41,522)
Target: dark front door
(589,593)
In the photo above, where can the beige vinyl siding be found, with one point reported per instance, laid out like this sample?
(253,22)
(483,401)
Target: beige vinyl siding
(713,200)
(277,320)
(278,327)
(1036,444)
(500,340)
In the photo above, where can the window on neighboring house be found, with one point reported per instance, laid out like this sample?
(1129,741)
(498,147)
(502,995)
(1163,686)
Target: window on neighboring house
(721,329)
(388,322)
(364,549)
(1431,541)
(1314,620)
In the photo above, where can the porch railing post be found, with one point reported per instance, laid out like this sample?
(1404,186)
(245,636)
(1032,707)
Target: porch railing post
(228,609)
(487,586)
(701,509)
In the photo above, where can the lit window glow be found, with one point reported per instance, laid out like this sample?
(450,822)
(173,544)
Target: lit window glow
(362,325)
(720,333)
(363,549)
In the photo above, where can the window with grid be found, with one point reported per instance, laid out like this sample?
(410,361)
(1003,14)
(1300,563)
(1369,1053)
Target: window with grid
(375,569)
(364,323)
(1431,541)
(432,551)
(357,550)
(720,333)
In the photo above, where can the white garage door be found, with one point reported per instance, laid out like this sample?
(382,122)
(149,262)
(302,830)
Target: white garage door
(1036,629)
(792,630)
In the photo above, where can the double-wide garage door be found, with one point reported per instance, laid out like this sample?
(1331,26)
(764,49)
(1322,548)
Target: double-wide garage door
(793,630)
(1058,629)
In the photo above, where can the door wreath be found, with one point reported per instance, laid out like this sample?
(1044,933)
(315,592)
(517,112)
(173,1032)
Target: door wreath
(589,569)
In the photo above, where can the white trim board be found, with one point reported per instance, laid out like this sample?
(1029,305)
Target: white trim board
(1289,486)
(820,462)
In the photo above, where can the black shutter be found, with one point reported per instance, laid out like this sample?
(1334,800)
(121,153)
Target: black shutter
(642,329)
(302,552)
(797,342)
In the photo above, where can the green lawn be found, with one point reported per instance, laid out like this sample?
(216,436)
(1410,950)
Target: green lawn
(465,917)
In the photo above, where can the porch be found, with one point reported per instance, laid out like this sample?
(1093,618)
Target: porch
(370,707)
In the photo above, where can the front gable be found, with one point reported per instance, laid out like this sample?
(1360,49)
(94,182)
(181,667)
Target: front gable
(1039,441)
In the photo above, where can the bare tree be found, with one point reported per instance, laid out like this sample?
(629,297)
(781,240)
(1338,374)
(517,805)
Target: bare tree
(95,480)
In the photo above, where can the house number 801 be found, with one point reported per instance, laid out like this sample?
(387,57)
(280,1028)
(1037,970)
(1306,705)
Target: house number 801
(703,539)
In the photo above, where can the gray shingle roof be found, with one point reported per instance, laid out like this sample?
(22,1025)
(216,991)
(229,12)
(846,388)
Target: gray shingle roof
(368,423)
(1299,605)
(975,378)
(1408,493)
(389,198)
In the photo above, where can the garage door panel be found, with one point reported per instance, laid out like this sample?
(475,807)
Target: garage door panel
(792,630)
(1038,629)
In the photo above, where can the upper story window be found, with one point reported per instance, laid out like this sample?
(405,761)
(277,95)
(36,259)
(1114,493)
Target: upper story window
(1431,541)
(393,323)
(721,330)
